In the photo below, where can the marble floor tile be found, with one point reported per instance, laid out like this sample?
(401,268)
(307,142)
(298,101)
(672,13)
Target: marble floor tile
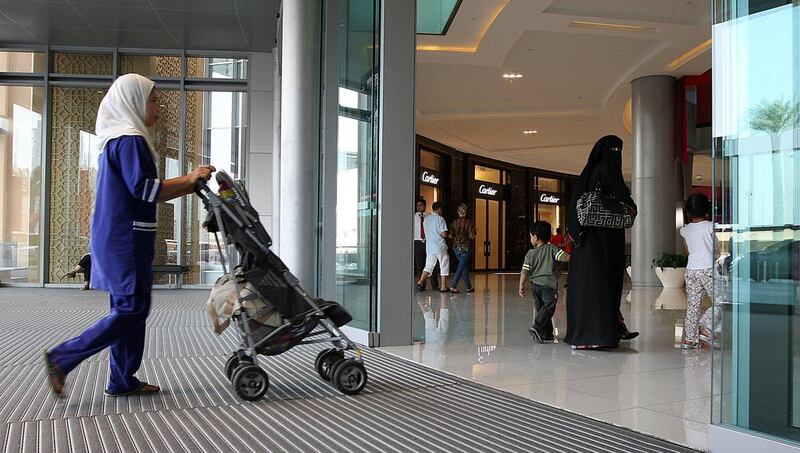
(648,384)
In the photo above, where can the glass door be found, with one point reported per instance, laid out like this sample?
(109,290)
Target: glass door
(757,205)
(489,242)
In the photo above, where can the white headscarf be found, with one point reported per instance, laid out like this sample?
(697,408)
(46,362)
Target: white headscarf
(123,110)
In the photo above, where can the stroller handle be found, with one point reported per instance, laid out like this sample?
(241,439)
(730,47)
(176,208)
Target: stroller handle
(201,188)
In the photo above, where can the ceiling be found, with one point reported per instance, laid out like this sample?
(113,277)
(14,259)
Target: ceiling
(216,25)
(576,80)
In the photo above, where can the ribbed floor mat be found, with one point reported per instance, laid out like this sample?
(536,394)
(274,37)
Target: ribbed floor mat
(406,407)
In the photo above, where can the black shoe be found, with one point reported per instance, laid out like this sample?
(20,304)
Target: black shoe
(536,335)
(549,339)
(627,335)
(420,288)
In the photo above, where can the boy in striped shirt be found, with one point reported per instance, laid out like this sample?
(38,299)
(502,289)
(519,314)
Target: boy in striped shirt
(541,267)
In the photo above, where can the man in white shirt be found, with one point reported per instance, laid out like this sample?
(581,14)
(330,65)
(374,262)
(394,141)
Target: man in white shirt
(436,248)
(419,243)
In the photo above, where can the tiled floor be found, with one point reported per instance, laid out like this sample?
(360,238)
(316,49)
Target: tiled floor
(649,384)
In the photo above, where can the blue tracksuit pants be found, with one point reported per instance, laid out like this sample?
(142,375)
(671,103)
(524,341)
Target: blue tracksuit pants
(122,330)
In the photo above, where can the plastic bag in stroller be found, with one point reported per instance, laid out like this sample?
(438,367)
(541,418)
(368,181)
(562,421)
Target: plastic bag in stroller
(261,297)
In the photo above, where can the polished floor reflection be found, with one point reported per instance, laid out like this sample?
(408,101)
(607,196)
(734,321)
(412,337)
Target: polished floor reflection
(649,384)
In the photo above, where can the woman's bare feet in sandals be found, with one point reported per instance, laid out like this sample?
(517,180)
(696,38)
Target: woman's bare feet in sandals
(54,376)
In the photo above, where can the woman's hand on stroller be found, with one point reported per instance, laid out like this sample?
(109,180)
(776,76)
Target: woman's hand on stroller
(202,172)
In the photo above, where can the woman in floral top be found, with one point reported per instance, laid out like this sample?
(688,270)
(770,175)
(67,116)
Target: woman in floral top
(462,231)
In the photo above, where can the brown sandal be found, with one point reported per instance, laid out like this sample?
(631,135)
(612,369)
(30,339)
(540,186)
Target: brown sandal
(54,376)
(143,389)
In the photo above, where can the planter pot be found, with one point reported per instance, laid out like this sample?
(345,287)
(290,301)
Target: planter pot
(671,277)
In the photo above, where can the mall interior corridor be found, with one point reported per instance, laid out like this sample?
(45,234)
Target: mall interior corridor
(648,384)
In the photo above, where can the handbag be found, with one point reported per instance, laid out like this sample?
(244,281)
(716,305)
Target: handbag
(599,210)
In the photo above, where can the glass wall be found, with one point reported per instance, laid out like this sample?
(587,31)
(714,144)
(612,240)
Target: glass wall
(21,110)
(756,72)
(194,127)
(357,154)
(214,136)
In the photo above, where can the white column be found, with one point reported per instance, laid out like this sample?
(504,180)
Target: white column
(396,171)
(276,153)
(260,136)
(299,151)
(654,186)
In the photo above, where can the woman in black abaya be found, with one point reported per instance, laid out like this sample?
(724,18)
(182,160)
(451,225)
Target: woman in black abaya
(597,262)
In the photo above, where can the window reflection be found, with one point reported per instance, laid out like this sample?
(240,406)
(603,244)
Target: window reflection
(20,182)
(214,136)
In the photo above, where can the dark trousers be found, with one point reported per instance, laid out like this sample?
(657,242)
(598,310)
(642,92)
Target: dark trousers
(420,255)
(123,331)
(545,300)
(85,264)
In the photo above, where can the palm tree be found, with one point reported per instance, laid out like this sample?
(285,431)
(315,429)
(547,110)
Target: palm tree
(774,118)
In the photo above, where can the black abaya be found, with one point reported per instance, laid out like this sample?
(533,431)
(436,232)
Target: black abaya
(597,263)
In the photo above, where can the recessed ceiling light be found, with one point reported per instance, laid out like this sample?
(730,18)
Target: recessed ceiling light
(530,132)
(512,76)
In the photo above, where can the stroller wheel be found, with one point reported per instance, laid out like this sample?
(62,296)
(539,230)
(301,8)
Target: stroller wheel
(350,377)
(325,361)
(250,382)
(233,363)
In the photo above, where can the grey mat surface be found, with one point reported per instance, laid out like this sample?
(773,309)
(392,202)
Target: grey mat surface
(406,407)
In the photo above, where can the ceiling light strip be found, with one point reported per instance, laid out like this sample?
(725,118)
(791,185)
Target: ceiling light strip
(689,56)
(611,27)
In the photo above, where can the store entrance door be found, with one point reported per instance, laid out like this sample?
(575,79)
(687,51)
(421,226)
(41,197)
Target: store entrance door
(489,222)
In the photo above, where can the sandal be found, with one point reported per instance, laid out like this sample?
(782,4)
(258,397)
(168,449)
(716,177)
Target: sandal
(143,389)
(55,376)
(687,345)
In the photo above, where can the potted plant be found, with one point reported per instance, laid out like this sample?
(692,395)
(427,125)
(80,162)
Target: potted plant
(670,269)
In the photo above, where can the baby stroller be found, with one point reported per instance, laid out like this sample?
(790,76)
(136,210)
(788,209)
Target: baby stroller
(302,319)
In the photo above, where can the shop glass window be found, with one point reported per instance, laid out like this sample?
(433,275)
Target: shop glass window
(151,66)
(20,182)
(83,63)
(216,68)
(430,160)
(756,383)
(488,174)
(548,184)
(22,62)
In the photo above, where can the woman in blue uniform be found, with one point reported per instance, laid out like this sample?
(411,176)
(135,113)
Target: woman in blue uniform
(123,236)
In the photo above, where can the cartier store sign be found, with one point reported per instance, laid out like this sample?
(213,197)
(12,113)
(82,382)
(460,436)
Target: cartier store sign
(483,189)
(548,198)
(429,177)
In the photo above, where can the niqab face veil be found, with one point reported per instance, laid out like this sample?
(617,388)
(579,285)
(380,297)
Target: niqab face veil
(123,110)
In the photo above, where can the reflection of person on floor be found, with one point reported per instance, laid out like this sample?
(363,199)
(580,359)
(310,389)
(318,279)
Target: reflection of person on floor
(699,237)
(83,266)
(435,248)
(541,267)
(435,332)
(123,236)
